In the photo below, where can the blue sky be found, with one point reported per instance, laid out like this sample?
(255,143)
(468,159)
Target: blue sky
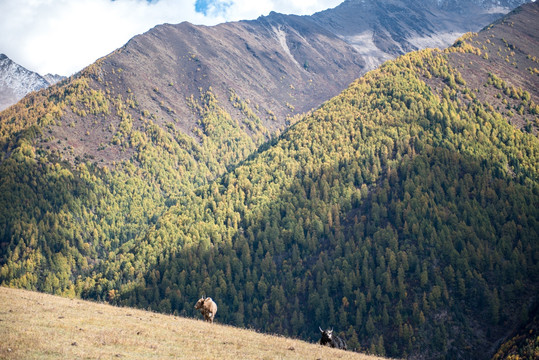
(64,36)
(207,7)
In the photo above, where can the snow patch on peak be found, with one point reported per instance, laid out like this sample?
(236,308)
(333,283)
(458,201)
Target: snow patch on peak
(21,80)
(17,81)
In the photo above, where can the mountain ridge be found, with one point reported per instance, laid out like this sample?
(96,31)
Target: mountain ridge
(392,28)
(273,69)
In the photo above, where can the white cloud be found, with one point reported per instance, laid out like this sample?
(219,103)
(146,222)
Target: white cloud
(63,36)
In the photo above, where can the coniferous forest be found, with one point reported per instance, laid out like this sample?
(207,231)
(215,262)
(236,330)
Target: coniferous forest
(404,212)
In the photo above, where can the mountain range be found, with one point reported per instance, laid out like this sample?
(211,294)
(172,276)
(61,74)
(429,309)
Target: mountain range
(16,81)
(378,31)
(278,63)
(402,211)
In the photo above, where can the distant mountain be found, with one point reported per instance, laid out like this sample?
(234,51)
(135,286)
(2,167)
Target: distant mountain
(53,78)
(360,35)
(16,81)
(382,30)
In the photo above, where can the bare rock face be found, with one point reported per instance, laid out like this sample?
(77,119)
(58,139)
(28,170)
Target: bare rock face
(382,30)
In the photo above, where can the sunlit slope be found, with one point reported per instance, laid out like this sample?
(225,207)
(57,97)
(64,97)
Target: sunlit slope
(403,212)
(39,326)
(93,161)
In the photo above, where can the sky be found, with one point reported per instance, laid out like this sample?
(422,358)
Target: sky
(63,36)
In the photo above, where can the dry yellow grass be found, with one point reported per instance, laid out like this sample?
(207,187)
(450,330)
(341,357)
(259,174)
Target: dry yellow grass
(40,326)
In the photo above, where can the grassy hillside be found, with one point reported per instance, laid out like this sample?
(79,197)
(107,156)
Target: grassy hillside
(39,326)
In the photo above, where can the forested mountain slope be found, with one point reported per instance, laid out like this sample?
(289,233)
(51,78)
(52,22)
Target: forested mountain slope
(403,213)
(523,343)
(95,160)
(114,146)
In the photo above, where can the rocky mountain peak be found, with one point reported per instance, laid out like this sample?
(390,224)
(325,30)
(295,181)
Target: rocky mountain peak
(16,81)
(381,30)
